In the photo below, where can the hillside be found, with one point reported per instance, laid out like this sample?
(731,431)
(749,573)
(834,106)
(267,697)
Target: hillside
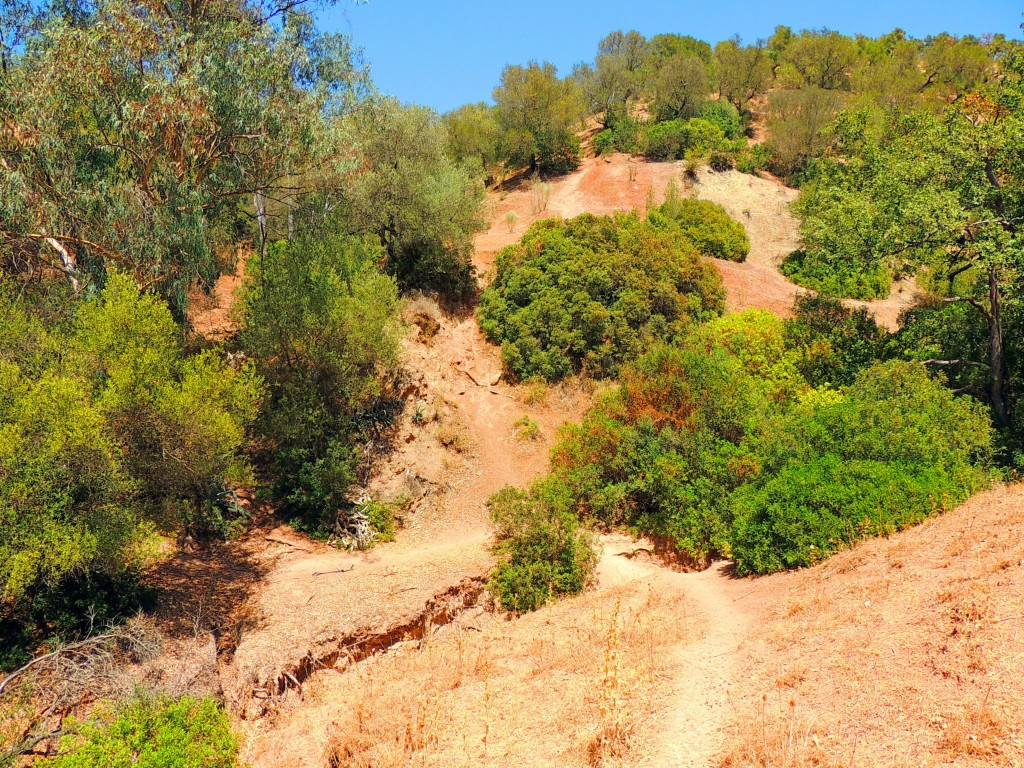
(391,657)
(621,183)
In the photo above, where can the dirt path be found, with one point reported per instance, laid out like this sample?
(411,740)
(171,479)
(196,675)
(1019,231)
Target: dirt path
(688,730)
(695,727)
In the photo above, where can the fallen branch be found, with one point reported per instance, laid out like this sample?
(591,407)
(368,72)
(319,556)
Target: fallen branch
(279,540)
(339,570)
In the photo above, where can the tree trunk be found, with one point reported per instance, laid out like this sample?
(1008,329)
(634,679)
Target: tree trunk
(995,352)
(259,202)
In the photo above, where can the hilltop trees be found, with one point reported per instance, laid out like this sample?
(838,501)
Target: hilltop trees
(539,113)
(936,193)
(744,72)
(616,77)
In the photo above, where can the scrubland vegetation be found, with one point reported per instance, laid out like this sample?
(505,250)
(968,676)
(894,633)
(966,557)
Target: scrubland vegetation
(145,148)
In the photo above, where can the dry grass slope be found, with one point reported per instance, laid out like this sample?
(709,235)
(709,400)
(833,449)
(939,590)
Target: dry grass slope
(906,651)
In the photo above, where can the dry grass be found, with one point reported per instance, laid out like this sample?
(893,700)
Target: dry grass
(976,730)
(875,644)
(425,313)
(562,687)
(779,737)
(454,435)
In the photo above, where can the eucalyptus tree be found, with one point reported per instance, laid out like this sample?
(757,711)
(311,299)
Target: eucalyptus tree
(134,133)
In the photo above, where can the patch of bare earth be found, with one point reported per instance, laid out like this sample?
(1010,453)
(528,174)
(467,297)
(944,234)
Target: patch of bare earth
(620,182)
(601,679)
(906,651)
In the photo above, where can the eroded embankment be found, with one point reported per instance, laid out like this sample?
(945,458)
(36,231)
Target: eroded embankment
(440,610)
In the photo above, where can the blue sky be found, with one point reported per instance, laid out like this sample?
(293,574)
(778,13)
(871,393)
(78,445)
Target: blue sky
(444,53)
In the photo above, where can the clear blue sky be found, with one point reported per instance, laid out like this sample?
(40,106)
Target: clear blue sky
(444,53)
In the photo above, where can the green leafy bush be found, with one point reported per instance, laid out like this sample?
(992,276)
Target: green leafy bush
(888,451)
(623,136)
(321,322)
(706,224)
(833,341)
(719,447)
(725,116)
(544,551)
(753,158)
(558,152)
(118,435)
(381,516)
(840,278)
(150,732)
(660,454)
(672,139)
(593,292)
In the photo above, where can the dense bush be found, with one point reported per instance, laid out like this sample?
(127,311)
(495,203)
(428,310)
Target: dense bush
(558,153)
(544,551)
(725,116)
(841,278)
(673,139)
(108,431)
(834,342)
(593,292)
(321,323)
(719,446)
(623,136)
(705,224)
(887,451)
(151,732)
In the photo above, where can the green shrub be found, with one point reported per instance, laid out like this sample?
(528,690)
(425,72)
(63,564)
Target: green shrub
(720,448)
(544,551)
(322,323)
(118,435)
(152,732)
(712,231)
(753,159)
(721,161)
(668,140)
(834,343)
(887,451)
(725,116)
(660,454)
(593,292)
(558,152)
(622,136)
(381,516)
(842,279)
(604,142)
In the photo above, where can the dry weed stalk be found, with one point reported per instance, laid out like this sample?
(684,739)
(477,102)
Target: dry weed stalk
(781,740)
(35,698)
(540,195)
(612,741)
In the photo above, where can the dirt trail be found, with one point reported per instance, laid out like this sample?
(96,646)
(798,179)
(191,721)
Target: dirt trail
(457,444)
(695,727)
(689,728)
